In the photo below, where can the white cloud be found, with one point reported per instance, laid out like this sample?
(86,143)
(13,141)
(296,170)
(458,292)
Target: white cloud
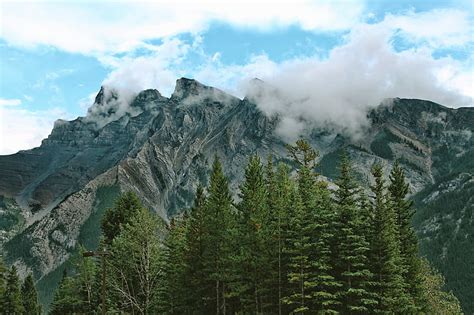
(10,102)
(338,91)
(22,129)
(112,27)
(439,28)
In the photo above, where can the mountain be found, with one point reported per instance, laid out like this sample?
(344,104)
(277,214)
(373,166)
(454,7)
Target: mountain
(52,197)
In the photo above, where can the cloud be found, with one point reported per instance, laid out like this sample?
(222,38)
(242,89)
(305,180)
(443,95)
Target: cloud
(439,27)
(9,102)
(23,129)
(337,91)
(114,27)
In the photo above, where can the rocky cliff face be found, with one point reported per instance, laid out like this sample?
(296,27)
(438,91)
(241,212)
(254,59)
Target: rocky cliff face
(161,148)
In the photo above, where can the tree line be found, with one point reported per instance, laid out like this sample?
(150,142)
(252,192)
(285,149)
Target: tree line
(289,244)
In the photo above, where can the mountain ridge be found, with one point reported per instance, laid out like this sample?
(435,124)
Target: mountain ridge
(161,151)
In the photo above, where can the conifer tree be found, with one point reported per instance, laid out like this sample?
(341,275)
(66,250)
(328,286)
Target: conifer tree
(126,206)
(351,247)
(217,251)
(173,293)
(3,280)
(12,303)
(385,250)
(29,297)
(279,189)
(66,298)
(310,234)
(195,234)
(252,225)
(410,261)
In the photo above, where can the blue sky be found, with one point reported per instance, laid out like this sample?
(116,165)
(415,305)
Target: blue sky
(56,55)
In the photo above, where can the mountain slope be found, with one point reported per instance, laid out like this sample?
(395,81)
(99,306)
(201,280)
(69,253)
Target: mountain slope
(161,149)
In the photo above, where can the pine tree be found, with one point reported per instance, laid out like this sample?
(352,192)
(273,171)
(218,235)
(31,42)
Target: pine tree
(279,189)
(410,262)
(253,220)
(3,279)
(66,298)
(29,297)
(195,234)
(12,303)
(309,238)
(218,224)
(385,250)
(351,247)
(126,206)
(173,291)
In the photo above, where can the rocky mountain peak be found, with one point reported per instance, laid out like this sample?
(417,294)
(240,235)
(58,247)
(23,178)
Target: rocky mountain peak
(188,87)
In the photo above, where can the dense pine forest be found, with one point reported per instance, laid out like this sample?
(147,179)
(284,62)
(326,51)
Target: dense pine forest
(289,244)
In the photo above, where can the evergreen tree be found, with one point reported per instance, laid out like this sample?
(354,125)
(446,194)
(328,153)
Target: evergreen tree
(253,220)
(29,297)
(351,247)
(3,279)
(279,189)
(126,206)
(309,238)
(12,303)
(217,240)
(173,291)
(66,298)
(385,250)
(410,262)
(195,234)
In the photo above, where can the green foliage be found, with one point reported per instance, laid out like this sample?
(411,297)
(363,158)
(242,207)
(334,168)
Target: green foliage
(29,297)
(90,231)
(380,146)
(437,300)
(66,299)
(290,245)
(114,218)
(12,300)
(133,263)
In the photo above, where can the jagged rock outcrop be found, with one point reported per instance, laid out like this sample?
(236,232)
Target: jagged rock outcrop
(161,148)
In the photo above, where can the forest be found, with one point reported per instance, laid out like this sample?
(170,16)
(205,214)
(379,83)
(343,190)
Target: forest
(289,243)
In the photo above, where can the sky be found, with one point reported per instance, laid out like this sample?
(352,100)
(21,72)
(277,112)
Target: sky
(342,56)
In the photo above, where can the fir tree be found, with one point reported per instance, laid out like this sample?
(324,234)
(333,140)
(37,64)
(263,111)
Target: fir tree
(410,262)
(385,250)
(351,247)
(173,293)
(66,298)
(126,206)
(279,189)
(253,220)
(12,302)
(3,279)
(310,234)
(29,297)
(216,255)
(195,234)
